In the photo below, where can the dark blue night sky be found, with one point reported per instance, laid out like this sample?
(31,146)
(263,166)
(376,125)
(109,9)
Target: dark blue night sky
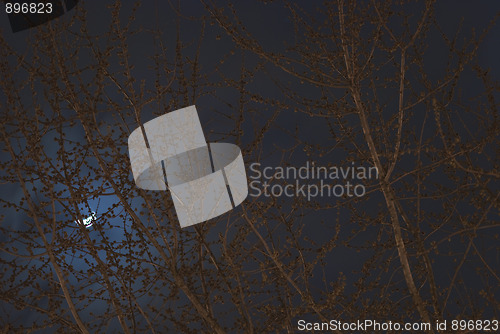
(292,84)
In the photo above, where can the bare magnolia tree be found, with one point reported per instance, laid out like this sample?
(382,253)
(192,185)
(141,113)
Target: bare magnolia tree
(349,84)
